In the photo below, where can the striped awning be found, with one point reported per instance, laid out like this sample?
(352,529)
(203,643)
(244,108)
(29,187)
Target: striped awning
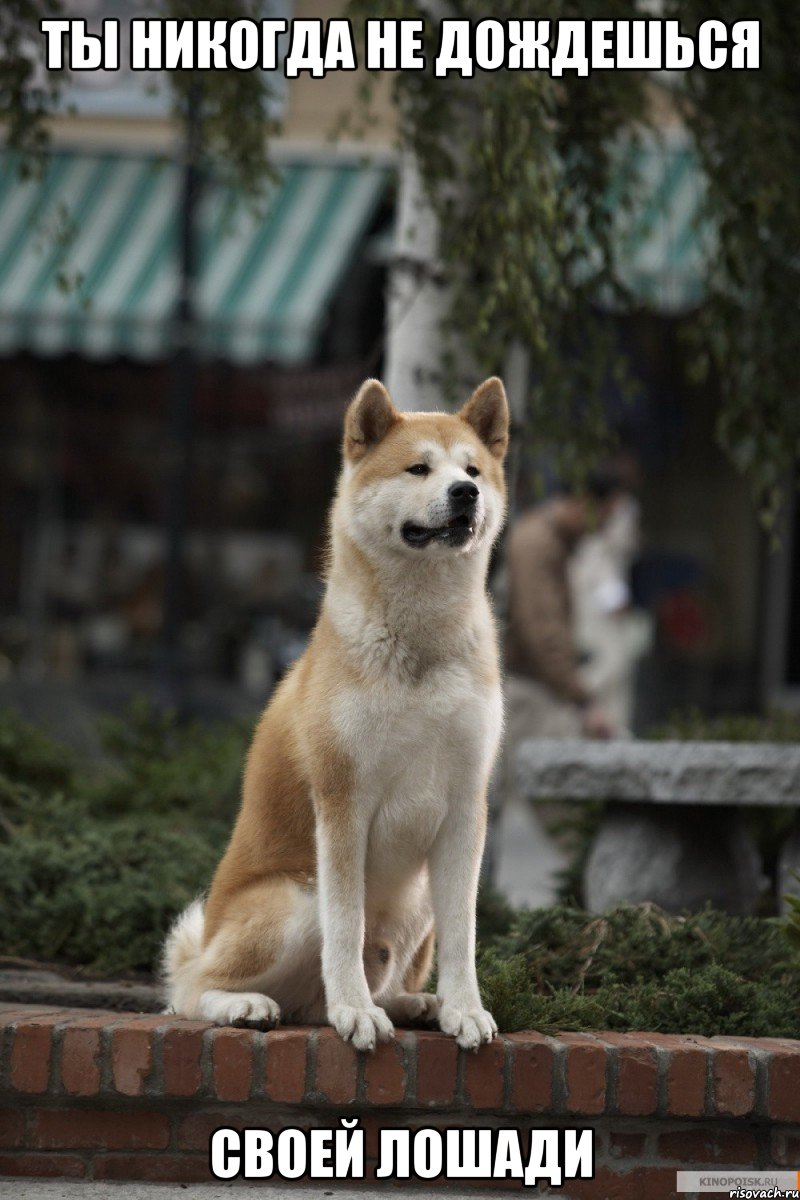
(663,245)
(89,257)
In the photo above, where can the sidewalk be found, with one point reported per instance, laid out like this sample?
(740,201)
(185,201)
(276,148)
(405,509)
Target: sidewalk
(59,1189)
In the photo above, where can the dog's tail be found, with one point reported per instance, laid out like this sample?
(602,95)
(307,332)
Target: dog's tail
(182,950)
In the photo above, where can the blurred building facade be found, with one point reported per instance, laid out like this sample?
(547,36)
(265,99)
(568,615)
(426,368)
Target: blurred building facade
(291,315)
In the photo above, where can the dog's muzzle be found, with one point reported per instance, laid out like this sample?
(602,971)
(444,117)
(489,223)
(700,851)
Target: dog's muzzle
(462,499)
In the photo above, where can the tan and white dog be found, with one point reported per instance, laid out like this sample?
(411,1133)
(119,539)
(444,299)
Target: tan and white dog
(364,802)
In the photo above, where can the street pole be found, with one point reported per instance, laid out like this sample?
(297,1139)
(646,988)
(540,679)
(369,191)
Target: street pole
(182,382)
(516,375)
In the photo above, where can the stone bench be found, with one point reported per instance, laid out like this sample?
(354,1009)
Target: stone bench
(672,832)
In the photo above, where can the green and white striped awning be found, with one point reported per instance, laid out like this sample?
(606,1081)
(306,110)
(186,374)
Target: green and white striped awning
(663,246)
(89,254)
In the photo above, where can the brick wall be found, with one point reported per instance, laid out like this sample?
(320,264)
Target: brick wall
(104,1095)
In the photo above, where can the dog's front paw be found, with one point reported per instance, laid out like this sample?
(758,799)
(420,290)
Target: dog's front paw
(250,1009)
(469,1026)
(413,1006)
(361,1026)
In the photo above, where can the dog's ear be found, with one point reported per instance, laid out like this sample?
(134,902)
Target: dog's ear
(487,412)
(369,418)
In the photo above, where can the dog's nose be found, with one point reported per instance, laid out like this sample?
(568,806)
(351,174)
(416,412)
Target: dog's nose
(462,494)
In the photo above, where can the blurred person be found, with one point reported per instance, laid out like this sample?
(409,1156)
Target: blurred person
(611,634)
(547,695)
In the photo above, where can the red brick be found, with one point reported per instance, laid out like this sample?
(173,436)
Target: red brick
(372,1127)
(80,1061)
(628,1185)
(158,1168)
(723,1042)
(18,1013)
(626,1145)
(131,1058)
(531,1073)
(483,1075)
(784,1085)
(12,1128)
(154,1022)
(658,1183)
(687,1071)
(285,1079)
(232,1063)
(385,1073)
(81,1017)
(734,1083)
(437,1063)
(770,1044)
(644,1183)
(195,1129)
(78,1129)
(585,1074)
(11,1013)
(182,1049)
(42,1166)
(631,1037)
(637,1074)
(31,1054)
(370,1179)
(90,1019)
(337,1066)
(709,1147)
(785,1148)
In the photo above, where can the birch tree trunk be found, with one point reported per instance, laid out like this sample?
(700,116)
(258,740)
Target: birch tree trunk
(417,300)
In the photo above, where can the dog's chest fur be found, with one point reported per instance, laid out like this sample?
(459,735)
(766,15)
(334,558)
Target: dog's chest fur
(417,738)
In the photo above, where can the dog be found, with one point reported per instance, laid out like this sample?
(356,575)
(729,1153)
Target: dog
(363,812)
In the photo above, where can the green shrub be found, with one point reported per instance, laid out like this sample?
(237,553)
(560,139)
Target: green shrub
(567,947)
(30,756)
(160,765)
(637,968)
(792,922)
(710,1002)
(100,894)
(692,725)
(95,863)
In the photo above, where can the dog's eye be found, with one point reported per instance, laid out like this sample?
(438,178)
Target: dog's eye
(472,471)
(419,469)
